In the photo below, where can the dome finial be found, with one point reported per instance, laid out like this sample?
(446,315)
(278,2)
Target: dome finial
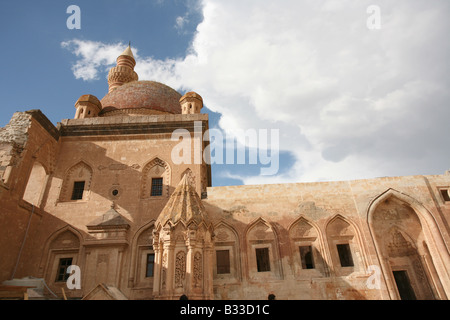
(124,70)
(127,51)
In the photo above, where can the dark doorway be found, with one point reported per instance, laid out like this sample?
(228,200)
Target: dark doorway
(404,285)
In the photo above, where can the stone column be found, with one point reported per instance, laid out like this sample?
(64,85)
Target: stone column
(157,248)
(191,245)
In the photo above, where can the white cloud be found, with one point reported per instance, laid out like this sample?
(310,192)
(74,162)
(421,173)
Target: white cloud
(180,22)
(95,57)
(349,102)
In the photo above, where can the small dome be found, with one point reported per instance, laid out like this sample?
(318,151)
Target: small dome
(89,98)
(143,95)
(191,94)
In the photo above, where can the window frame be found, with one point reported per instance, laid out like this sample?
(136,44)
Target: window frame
(345,255)
(160,187)
(150,263)
(77,191)
(227,266)
(303,259)
(64,274)
(262,256)
(445,194)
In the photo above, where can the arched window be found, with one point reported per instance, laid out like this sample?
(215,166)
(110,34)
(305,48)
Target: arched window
(401,241)
(62,250)
(77,183)
(227,266)
(155,179)
(344,246)
(144,259)
(262,248)
(307,250)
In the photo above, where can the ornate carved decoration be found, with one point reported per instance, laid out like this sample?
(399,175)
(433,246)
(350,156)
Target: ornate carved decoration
(80,171)
(190,176)
(303,229)
(155,168)
(180,269)
(222,235)
(399,246)
(198,269)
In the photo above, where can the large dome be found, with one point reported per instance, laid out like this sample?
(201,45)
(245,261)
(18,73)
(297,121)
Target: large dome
(149,95)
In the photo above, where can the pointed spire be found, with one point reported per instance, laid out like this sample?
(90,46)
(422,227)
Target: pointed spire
(127,51)
(123,72)
(184,205)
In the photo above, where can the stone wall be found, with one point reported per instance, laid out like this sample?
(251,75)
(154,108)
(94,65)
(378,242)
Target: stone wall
(323,215)
(110,244)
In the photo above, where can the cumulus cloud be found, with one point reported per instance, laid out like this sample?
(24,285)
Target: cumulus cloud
(349,102)
(94,57)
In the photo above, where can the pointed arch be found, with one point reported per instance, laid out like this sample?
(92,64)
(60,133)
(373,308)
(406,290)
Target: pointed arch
(307,248)
(63,244)
(263,252)
(260,229)
(142,258)
(303,228)
(345,246)
(155,169)
(81,173)
(412,218)
(67,229)
(227,268)
(427,220)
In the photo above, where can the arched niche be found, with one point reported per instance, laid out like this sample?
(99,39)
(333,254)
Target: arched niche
(156,175)
(35,187)
(262,251)
(227,266)
(344,246)
(406,247)
(143,259)
(62,249)
(307,248)
(77,182)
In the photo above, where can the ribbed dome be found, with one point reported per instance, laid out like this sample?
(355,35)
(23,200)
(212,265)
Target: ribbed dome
(143,95)
(183,206)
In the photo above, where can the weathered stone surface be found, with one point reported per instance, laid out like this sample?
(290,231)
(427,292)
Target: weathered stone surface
(324,240)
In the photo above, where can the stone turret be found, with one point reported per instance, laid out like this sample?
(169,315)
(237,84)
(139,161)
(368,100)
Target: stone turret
(87,106)
(123,72)
(191,103)
(183,244)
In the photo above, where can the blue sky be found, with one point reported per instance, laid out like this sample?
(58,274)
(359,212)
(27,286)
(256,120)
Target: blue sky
(349,102)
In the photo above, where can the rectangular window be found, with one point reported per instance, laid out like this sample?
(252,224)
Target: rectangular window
(307,257)
(150,265)
(345,255)
(262,259)
(78,188)
(61,274)
(445,194)
(157,187)
(223,261)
